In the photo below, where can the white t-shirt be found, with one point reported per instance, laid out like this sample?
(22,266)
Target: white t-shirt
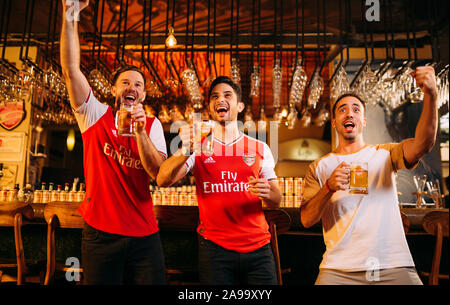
(362,232)
(92,110)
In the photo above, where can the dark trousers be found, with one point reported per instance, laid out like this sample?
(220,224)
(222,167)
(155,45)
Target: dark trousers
(111,259)
(219,266)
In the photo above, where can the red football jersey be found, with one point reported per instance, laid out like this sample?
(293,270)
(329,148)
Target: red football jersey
(117,198)
(230,215)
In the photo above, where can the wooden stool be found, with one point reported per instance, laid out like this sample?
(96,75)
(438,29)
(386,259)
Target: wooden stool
(63,215)
(405,221)
(28,271)
(436,224)
(279,223)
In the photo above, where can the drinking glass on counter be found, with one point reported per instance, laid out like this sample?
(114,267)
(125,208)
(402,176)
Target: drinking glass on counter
(419,181)
(435,193)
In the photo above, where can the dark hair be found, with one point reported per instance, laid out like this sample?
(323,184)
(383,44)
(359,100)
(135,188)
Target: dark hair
(228,81)
(346,95)
(123,69)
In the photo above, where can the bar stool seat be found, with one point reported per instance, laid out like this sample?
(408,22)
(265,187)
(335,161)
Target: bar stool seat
(279,223)
(60,215)
(406,222)
(20,270)
(436,223)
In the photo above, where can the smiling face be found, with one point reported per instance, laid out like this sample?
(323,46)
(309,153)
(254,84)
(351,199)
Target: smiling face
(129,88)
(223,103)
(349,119)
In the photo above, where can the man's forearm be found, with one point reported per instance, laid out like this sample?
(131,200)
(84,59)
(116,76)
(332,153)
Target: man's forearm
(172,169)
(77,85)
(151,158)
(311,212)
(427,126)
(425,134)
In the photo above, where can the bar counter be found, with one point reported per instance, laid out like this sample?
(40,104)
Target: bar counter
(300,248)
(176,218)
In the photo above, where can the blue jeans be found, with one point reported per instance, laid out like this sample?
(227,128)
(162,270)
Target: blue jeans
(111,259)
(219,266)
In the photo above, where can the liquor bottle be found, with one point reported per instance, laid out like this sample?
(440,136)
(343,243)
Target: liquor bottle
(4,194)
(54,194)
(12,195)
(80,193)
(59,193)
(37,195)
(45,193)
(72,193)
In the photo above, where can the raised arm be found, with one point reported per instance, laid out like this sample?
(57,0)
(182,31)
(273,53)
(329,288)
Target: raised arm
(425,135)
(76,83)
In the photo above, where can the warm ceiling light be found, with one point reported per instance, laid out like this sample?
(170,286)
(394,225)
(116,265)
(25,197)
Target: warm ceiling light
(284,113)
(71,139)
(171,41)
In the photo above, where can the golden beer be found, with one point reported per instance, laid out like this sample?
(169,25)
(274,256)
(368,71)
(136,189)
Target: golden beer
(359,178)
(125,122)
(204,137)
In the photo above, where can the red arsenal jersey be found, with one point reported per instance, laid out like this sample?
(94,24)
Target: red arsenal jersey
(230,215)
(117,198)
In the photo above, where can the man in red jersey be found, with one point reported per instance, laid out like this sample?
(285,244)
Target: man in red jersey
(120,242)
(234,241)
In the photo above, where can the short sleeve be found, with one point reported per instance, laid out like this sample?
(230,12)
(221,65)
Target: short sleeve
(89,112)
(312,183)
(190,162)
(397,155)
(268,164)
(157,137)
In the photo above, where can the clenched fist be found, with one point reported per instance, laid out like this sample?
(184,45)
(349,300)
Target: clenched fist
(426,79)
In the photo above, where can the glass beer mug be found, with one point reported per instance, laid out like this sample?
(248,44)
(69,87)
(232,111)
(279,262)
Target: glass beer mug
(124,122)
(359,182)
(204,137)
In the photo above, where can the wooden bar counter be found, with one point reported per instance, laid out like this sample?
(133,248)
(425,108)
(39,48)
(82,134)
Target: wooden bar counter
(175,218)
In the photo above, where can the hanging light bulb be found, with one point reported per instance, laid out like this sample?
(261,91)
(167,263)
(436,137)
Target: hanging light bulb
(71,139)
(171,41)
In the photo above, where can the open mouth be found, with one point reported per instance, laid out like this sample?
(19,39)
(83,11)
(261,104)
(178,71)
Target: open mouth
(130,98)
(349,125)
(222,110)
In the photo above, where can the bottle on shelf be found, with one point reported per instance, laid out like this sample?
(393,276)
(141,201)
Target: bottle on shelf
(64,194)
(4,194)
(73,192)
(12,195)
(81,193)
(45,193)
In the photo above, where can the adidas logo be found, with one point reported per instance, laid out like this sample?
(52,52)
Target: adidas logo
(210,160)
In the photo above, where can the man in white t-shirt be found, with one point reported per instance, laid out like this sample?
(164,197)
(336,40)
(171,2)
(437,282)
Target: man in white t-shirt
(364,237)
(120,242)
